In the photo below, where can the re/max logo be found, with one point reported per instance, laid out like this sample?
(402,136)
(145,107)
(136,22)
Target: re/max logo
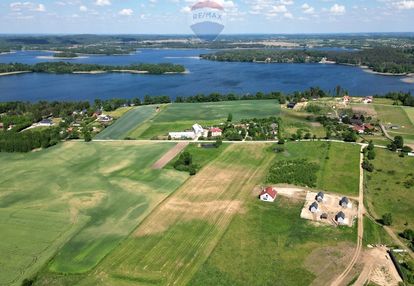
(207,15)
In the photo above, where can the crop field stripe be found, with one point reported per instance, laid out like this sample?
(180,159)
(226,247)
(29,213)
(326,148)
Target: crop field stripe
(128,122)
(179,256)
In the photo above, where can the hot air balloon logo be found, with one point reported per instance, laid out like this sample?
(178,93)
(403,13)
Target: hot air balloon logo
(207,19)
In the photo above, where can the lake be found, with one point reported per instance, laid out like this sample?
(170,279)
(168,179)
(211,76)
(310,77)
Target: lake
(204,77)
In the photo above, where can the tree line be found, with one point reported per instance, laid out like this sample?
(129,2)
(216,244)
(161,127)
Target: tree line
(65,67)
(379,59)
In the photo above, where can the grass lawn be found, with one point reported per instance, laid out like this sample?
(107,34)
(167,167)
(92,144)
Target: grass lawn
(338,164)
(410,113)
(29,239)
(375,234)
(294,120)
(119,112)
(127,123)
(271,245)
(181,116)
(389,114)
(385,190)
(173,242)
(111,183)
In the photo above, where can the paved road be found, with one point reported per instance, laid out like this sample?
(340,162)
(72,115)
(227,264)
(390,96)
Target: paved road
(358,249)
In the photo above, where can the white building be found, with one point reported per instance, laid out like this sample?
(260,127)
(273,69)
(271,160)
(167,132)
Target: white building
(198,130)
(182,135)
(268,195)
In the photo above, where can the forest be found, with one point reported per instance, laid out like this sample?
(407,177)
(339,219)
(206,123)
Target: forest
(65,67)
(379,59)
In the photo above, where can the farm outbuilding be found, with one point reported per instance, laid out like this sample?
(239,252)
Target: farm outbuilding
(324,216)
(268,194)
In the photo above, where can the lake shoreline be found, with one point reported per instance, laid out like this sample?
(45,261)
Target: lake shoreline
(14,73)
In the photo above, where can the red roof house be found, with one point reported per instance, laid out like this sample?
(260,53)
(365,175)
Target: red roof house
(268,195)
(358,128)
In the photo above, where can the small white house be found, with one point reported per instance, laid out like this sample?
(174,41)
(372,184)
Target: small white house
(216,132)
(104,118)
(45,123)
(320,196)
(368,99)
(340,218)
(268,195)
(314,207)
(344,202)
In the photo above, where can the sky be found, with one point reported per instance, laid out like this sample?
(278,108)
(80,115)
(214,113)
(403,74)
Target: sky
(173,17)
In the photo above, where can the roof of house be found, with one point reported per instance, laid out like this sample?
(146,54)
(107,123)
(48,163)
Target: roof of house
(270,191)
(358,128)
(369,126)
(320,194)
(314,205)
(340,215)
(198,128)
(215,129)
(46,121)
(344,200)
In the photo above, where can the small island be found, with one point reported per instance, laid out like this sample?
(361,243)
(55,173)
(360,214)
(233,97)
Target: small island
(65,55)
(65,68)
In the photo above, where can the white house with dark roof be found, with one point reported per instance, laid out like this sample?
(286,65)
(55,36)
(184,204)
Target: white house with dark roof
(340,218)
(320,196)
(314,207)
(344,202)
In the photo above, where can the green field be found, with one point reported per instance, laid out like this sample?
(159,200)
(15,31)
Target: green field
(386,192)
(338,164)
(111,183)
(29,239)
(271,245)
(175,240)
(410,113)
(375,233)
(129,121)
(389,114)
(182,116)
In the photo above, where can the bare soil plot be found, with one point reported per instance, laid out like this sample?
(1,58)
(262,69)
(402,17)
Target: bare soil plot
(378,268)
(164,160)
(331,207)
(366,109)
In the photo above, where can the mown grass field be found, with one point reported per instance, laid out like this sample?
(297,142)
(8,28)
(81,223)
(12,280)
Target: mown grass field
(389,114)
(271,245)
(111,183)
(386,192)
(130,119)
(375,234)
(338,164)
(181,116)
(29,238)
(174,241)
(410,113)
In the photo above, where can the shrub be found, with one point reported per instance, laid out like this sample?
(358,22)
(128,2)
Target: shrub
(366,165)
(298,172)
(387,219)
(408,234)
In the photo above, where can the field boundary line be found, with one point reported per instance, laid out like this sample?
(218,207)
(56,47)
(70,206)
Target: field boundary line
(169,155)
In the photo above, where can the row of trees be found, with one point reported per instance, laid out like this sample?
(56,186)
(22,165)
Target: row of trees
(379,59)
(65,67)
(28,140)
(404,98)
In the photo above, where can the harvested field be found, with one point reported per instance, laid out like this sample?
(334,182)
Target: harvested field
(366,109)
(331,207)
(171,154)
(175,239)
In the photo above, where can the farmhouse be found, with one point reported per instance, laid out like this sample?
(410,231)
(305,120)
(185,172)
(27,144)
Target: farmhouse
(368,99)
(268,195)
(104,118)
(358,128)
(320,196)
(314,207)
(344,202)
(340,218)
(291,105)
(346,99)
(216,132)
(45,122)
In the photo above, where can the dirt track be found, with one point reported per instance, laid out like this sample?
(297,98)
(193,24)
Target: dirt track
(167,157)
(358,249)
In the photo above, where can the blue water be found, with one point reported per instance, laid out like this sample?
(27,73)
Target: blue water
(204,77)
